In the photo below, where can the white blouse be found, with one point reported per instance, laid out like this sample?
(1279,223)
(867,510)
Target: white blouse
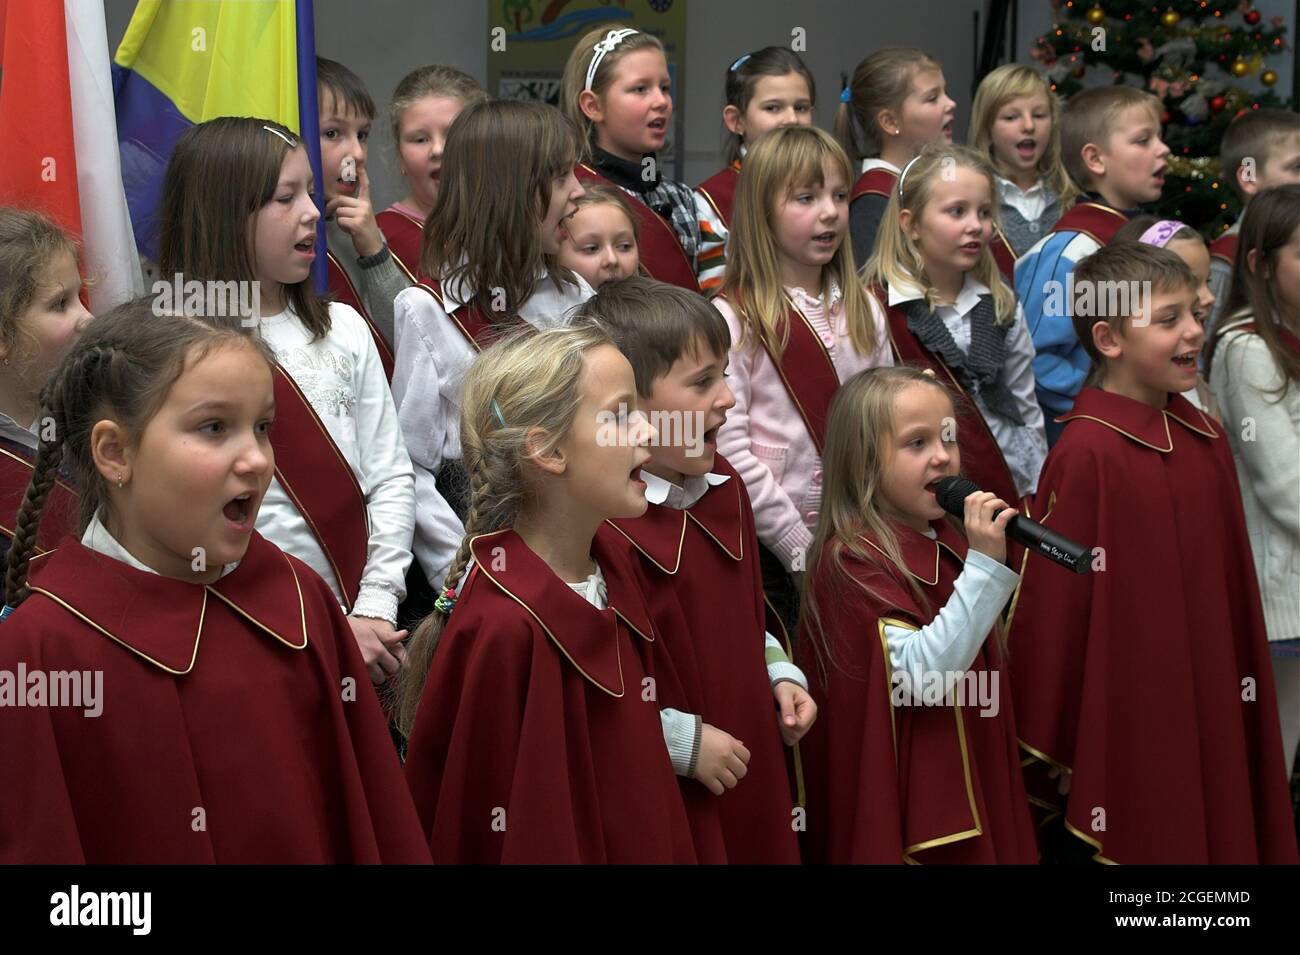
(342,377)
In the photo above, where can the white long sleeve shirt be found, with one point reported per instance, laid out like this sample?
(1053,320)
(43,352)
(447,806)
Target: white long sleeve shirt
(431,359)
(342,377)
(949,642)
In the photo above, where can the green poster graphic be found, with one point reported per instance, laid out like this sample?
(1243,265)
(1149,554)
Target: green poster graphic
(526,56)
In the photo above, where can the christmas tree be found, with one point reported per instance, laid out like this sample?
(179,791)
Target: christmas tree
(1207,61)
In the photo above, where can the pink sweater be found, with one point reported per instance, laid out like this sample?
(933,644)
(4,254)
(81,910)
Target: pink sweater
(764,437)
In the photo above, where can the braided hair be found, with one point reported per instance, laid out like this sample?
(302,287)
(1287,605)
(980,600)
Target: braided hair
(122,368)
(528,380)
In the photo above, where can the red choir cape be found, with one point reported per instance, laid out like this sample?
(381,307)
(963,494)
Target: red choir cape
(1004,256)
(660,250)
(403,233)
(61,513)
(1098,222)
(342,290)
(981,457)
(537,740)
(806,370)
(890,783)
(874,182)
(706,594)
(237,722)
(1133,676)
(1225,247)
(320,483)
(719,190)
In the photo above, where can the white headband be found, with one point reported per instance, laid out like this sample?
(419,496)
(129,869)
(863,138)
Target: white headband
(292,144)
(612,39)
(902,176)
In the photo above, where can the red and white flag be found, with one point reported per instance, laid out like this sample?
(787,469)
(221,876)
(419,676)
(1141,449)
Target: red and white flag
(59,131)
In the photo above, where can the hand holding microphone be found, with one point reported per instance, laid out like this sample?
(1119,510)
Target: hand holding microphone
(953,493)
(986,517)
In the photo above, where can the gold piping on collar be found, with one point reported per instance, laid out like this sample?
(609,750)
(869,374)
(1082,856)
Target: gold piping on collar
(198,635)
(622,686)
(1165,415)
(725,549)
(681,540)
(302,614)
(907,569)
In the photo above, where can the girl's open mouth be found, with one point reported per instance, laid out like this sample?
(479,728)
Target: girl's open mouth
(239,511)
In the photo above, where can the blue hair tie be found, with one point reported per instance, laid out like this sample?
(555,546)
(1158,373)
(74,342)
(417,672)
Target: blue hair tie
(496,410)
(739,62)
(846,95)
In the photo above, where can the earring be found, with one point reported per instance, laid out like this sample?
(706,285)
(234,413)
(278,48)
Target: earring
(6,361)
(119,482)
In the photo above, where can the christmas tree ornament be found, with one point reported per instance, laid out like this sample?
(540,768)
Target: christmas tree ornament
(1096,15)
(1240,68)
(1268,77)
(1169,19)
(1252,17)
(1217,103)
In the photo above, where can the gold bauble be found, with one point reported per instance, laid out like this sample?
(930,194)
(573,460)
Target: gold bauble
(1169,19)
(1268,77)
(1095,15)
(1240,68)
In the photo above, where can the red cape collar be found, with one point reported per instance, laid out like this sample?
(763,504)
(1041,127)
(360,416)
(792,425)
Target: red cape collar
(587,636)
(921,553)
(661,531)
(161,619)
(1140,422)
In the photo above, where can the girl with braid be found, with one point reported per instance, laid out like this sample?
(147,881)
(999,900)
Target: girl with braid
(536,735)
(224,712)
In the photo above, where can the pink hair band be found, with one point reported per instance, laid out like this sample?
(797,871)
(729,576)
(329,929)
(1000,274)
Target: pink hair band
(1160,233)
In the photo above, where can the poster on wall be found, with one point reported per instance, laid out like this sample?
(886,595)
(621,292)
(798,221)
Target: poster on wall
(526,56)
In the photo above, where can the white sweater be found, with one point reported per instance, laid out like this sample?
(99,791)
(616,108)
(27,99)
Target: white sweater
(1264,432)
(342,377)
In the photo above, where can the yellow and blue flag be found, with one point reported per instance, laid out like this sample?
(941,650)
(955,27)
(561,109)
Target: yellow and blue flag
(183,62)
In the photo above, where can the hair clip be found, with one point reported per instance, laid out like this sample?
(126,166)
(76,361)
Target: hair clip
(271,129)
(902,176)
(1160,233)
(446,601)
(846,95)
(496,410)
(6,612)
(739,62)
(612,39)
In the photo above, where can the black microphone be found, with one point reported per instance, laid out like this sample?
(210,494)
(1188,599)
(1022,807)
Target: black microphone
(951,493)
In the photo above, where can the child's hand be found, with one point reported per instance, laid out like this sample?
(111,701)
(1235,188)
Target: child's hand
(356,217)
(380,645)
(723,760)
(987,534)
(798,711)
